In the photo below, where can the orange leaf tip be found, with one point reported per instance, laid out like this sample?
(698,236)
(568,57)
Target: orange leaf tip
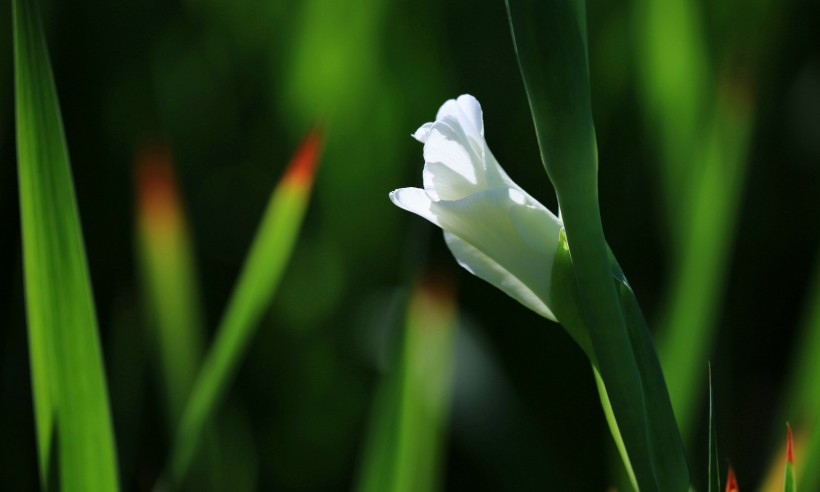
(303,163)
(731,481)
(789,444)
(156,187)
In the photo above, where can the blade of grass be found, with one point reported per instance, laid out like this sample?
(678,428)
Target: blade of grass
(712,203)
(789,484)
(803,397)
(426,376)
(686,103)
(264,265)
(675,78)
(68,378)
(404,447)
(166,261)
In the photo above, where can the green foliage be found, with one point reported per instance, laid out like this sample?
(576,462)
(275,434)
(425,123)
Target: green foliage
(405,443)
(169,279)
(789,483)
(260,276)
(802,400)
(68,378)
(550,40)
(701,116)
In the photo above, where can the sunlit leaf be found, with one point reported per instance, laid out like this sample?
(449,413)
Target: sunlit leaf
(405,443)
(264,265)
(68,378)
(170,284)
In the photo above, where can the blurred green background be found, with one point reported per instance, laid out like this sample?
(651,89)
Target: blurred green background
(232,87)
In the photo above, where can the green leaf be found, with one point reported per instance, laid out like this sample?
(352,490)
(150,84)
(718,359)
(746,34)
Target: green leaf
(550,42)
(711,203)
(68,378)
(551,46)
(666,448)
(264,265)
(789,484)
(405,442)
(667,458)
(168,277)
(675,80)
(714,462)
(802,405)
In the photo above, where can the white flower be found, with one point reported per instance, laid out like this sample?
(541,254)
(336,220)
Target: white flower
(495,229)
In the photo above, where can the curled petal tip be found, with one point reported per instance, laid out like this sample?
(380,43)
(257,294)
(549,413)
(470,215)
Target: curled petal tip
(423,132)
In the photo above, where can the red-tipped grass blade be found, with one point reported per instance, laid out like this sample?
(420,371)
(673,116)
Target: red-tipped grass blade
(269,255)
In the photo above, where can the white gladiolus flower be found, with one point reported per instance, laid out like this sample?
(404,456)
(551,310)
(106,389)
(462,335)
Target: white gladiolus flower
(495,229)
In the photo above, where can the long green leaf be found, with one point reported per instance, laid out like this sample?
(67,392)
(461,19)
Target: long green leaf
(254,291)
(700,120)
(68,378)
(803,398)
(675,80)
(666,447)
(550,43)
(405,441)
(711,204)
(168,275)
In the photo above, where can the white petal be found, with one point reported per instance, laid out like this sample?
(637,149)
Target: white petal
(448,145)
(465,117)
(442,182)
(493,227)
(483,220)
(422,132)
(537,227)
(482,266)
(415,200)
(466,110)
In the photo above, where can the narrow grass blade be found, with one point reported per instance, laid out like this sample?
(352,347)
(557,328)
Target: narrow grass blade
(789,484)
(714,463)
(168,275)
(675,83)
(712,200)
(613,428)
(404,448)
(68,378)
(254,291)
(426,377)
(803,398)
(701,121)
